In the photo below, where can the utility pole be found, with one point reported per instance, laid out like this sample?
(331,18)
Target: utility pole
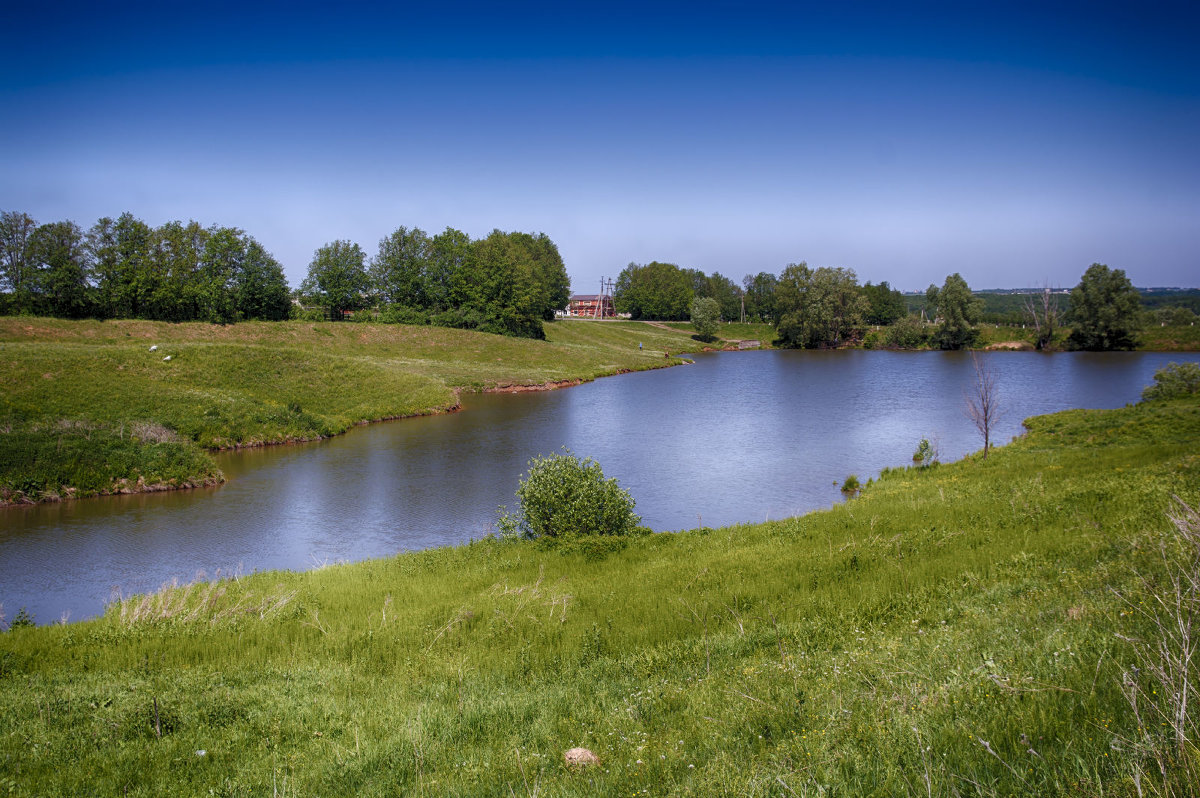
(606,287)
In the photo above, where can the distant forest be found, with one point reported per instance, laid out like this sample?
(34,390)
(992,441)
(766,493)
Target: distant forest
(507,283)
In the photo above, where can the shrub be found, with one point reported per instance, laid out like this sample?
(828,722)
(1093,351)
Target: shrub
(851,486)
(907,333)
(563,495)
(926,453)
(403,314)
(1173,381)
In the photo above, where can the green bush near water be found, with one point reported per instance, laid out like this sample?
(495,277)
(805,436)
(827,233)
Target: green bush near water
(962,630)
(562,496)
(1173,381)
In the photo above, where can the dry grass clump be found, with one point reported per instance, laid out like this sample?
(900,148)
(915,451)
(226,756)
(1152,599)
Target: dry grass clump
(1163,689)
(200,602)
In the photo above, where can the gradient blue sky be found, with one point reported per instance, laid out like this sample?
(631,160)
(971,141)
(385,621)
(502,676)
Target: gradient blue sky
(1015,143)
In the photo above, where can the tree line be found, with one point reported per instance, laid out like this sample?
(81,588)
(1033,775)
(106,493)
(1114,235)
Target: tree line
(124,268)
(827,307)
(505,283)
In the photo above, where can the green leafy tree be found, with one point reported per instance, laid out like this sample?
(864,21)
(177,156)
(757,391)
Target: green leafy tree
(260,286)
(506,288)
(450,266)
(400,270)
(930,306)
(818,308)
(706,317)
(562,495)
(126,278)
(17,271)
(886,304)
(222,260)
(654,291)
(176,254)
(63,264)
(727,294)
(337,278)
(1105,310)
(760,296)
(957,311)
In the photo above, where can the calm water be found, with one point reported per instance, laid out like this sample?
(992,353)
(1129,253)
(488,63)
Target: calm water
(732,438)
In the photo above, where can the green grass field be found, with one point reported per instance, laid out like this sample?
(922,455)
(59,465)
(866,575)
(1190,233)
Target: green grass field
(75,396)
(965,629)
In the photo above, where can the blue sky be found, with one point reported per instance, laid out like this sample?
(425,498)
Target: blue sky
(1015,143)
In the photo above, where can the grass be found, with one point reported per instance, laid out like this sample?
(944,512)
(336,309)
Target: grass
(252,383)
(961,629)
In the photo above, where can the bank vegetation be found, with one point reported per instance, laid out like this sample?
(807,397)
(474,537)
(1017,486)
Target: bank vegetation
(1008,626)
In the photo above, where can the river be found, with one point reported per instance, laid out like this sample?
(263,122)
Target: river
(735,437)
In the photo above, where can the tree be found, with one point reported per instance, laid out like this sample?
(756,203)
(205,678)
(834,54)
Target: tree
(126,279)
(958,311)
(505,288)
(654,291)
(706,317)
(450,258)
(400,270)
(16,270)
(886,304)
(337,278)
(1105,310)
(818,308)
(548,272)
(727,294)
(562,495)
(1042,311)
(760,296)
(983,401)
(222,260)
(931,303)
(260,286)
(176,256)
(63,265)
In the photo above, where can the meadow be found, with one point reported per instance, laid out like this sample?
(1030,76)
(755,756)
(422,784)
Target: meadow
(86,407)
(987,627)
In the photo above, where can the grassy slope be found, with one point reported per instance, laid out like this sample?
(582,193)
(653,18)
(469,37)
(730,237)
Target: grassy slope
(71,392)
(857,651)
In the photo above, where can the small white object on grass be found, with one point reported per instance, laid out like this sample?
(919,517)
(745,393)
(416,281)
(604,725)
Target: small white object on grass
(154,348)
(167,359)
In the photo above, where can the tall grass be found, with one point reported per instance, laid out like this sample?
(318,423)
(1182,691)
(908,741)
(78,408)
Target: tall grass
(956,630)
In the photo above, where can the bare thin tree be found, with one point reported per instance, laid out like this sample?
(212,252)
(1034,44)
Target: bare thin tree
(1042,309)
(983,401)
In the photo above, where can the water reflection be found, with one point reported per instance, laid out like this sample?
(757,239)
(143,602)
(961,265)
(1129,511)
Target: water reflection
(732,438)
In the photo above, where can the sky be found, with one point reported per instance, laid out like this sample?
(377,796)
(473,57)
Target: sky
(1015,143)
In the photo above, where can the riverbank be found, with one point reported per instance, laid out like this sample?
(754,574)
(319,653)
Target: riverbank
(959,628)
(90,408)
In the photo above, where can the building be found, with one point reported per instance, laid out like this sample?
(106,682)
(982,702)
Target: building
(591,306)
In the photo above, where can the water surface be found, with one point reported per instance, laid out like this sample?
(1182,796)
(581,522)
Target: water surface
(736,437)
